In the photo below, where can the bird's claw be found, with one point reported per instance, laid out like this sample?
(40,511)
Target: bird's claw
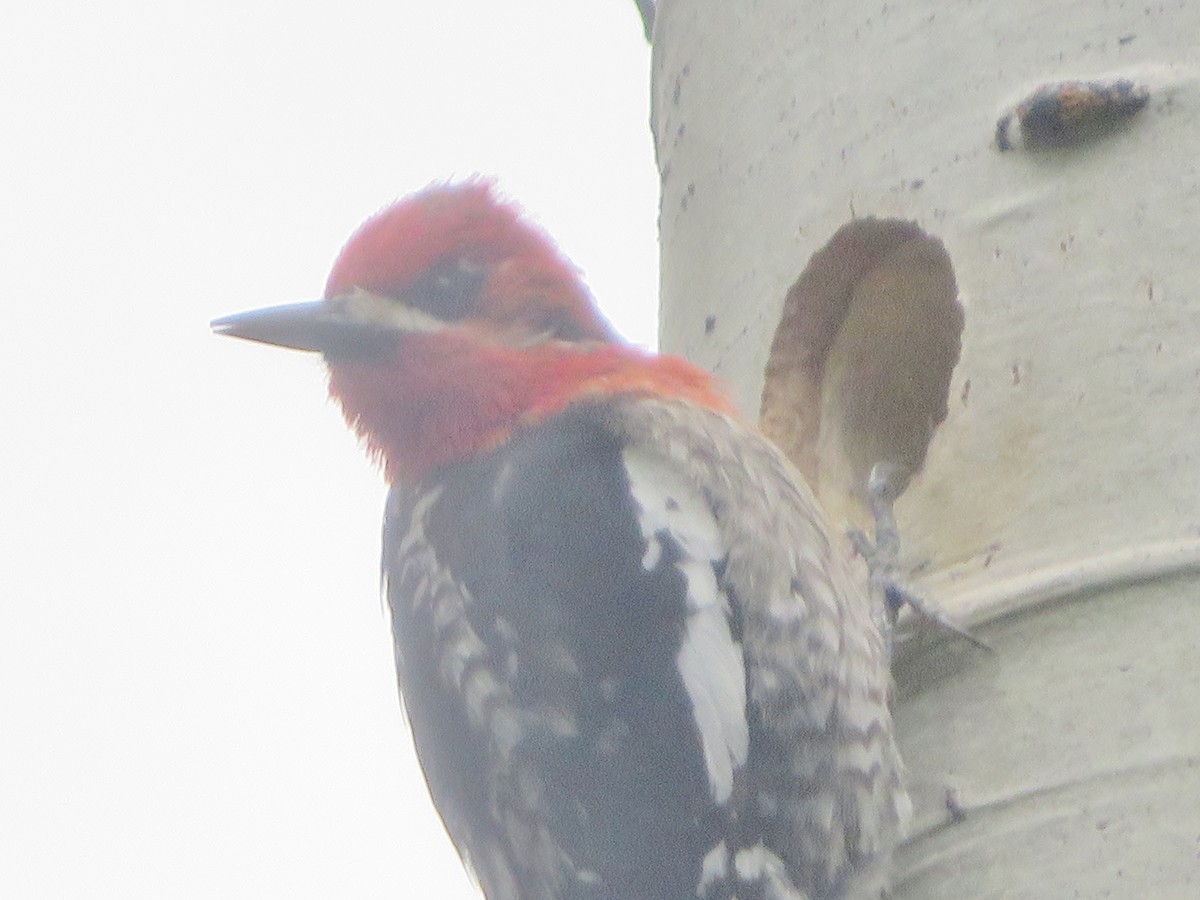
(897,597)
(888,590)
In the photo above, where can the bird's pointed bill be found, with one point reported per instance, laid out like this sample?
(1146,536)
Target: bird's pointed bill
(357,323)
(301,326)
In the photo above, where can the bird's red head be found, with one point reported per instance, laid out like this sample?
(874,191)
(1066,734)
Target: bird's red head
(449,321)
(458,252)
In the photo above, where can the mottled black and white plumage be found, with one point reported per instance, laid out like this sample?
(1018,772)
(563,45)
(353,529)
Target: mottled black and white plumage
(636,666)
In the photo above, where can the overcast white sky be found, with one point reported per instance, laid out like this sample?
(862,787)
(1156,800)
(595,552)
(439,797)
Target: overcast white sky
(196,687)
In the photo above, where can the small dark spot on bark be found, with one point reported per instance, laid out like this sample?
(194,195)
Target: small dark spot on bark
(1016,375)
(672,504)
(1002,141)
(710,323)
(954,805)
(966,392)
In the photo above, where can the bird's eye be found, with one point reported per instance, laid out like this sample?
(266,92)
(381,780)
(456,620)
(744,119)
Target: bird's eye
(449,289)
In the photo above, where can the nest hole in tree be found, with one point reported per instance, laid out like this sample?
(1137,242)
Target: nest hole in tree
(860,364)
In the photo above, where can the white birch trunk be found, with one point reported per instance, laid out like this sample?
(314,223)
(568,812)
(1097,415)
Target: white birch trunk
(1058,510)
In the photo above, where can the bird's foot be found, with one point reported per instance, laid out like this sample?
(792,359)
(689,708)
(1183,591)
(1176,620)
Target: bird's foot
(889,592)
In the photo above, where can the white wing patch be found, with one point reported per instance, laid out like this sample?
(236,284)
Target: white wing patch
(713,868)
(758,865)
(709,660)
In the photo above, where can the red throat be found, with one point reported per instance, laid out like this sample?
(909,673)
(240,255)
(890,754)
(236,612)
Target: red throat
(440,398)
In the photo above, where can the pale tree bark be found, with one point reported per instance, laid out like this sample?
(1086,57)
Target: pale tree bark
(1052,149)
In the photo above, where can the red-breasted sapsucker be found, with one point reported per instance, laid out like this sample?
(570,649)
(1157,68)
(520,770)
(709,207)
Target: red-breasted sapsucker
(635,661)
